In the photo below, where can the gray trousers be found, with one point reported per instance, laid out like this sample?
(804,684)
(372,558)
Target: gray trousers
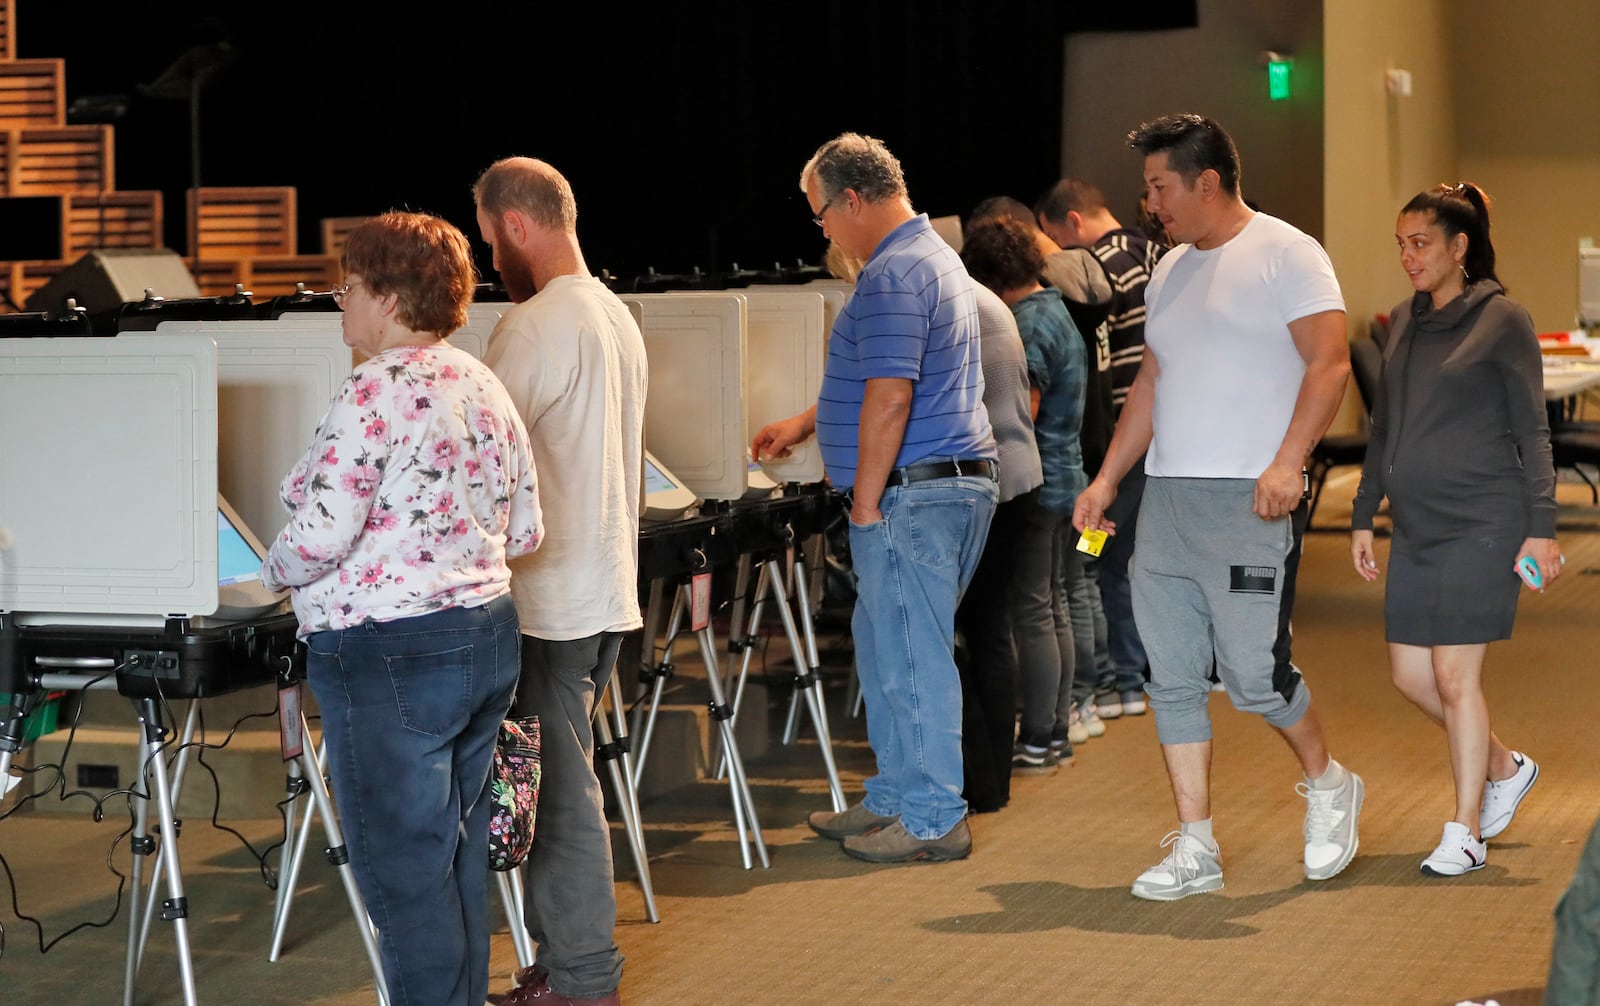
(571,903)
(1212,582)
(1042,632)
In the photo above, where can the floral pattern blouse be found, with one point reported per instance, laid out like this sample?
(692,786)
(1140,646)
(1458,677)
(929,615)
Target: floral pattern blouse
(418,486)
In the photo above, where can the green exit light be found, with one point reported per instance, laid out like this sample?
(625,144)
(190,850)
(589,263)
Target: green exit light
(1278,79)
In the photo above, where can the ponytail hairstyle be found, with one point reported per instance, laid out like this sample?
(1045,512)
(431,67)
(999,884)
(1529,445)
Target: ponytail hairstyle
(1461,209)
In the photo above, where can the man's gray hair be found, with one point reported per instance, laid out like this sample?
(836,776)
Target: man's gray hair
(528,186)
(853,161)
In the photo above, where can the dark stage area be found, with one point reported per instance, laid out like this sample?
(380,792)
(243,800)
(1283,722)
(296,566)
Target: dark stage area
(683,127)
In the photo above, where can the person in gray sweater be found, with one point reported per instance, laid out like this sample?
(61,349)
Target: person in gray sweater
(1018,532)
(1460,445)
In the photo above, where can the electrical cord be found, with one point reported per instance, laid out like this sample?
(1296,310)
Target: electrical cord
(130,793)
(99,815)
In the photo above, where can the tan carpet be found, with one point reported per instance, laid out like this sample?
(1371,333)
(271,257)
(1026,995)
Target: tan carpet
(1041,912)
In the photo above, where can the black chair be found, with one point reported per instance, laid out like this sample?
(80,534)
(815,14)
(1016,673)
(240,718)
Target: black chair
(1332,452)
(1366,366)
(1342,449)
(1573,447)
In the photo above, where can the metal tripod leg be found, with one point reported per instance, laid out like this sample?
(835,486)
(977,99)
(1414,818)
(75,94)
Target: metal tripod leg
(759,602)
(736,604)
(141,845)
(744,808)
(180,767)
(809,684)
(510,884)
(289,857)
(611,749)
(294,854)
(661,673)
(648,665)
(175,908)
(809,633)
(339,856)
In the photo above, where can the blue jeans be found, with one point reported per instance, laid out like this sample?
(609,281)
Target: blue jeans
(911,568)
(410,711)
(1122,634)
(1083,608)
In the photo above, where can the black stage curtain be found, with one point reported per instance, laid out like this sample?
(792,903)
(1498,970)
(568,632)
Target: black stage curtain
(682,128)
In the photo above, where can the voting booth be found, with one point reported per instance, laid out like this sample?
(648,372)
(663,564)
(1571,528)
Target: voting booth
(275,380)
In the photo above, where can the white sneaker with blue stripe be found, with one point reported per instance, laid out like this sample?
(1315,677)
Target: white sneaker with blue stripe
(1458,853)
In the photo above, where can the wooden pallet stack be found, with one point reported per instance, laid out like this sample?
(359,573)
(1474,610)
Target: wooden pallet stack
(237,235)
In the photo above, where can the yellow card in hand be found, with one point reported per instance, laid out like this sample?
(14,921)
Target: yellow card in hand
(1092,542)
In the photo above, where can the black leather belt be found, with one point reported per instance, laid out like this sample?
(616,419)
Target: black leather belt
(981,467)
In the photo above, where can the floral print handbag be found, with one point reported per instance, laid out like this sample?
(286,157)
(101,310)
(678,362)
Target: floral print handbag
(513,793)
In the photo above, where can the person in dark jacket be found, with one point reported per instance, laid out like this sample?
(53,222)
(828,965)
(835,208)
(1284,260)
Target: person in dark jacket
(1461,447)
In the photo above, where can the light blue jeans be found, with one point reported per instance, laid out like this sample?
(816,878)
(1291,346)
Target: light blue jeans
(911,569)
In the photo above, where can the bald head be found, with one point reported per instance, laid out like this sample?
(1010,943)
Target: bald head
(529,186)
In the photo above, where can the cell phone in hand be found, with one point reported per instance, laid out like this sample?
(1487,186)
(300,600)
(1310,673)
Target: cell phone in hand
(1528,569)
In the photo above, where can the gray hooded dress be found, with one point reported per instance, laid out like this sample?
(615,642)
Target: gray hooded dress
(1461,447)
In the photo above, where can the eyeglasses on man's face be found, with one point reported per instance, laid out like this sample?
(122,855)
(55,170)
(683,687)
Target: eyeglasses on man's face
(816,217)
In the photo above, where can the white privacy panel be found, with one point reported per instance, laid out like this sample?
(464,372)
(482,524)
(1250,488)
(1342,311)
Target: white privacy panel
(108,475)
(275,380)
(785,347)
(694,417)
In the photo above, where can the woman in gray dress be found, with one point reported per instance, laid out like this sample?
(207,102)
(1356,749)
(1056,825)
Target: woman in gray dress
(1461,447)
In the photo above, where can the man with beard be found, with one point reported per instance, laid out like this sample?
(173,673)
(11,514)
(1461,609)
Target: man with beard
(573,360)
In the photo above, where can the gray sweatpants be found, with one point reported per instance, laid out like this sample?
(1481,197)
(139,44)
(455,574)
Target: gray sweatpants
(1209,580)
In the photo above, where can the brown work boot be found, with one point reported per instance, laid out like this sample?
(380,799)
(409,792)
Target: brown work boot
(894,844)
(858,820)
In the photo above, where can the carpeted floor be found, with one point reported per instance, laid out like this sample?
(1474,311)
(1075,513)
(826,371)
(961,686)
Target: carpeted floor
(1041,911)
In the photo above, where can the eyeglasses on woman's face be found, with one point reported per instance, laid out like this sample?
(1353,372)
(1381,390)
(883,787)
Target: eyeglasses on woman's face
(342,290)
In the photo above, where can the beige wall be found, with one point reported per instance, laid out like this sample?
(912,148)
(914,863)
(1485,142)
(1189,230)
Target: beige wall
(1381,150)
(1527,106)
(1116,80)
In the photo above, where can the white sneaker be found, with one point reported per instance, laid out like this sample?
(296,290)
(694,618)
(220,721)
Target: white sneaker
(1093,725)
(1332,816)
(1077,732)
(1190,868)
(1133,703)
(1458,853)
(1500,799)
(1108,705)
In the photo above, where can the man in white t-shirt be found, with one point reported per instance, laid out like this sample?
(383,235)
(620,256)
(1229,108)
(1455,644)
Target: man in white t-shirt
(573,360)
(1245,363)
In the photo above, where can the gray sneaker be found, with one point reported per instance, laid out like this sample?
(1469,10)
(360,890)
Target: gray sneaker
(1191,867)
(1029,760)
(858,820)
(1331,833)
(894,844)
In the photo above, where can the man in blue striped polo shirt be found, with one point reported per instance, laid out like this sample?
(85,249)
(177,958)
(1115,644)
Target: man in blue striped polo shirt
(902,428)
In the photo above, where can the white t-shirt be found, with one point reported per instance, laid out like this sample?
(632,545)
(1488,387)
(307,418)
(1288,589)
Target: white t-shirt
(573,360)
(1218,325)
